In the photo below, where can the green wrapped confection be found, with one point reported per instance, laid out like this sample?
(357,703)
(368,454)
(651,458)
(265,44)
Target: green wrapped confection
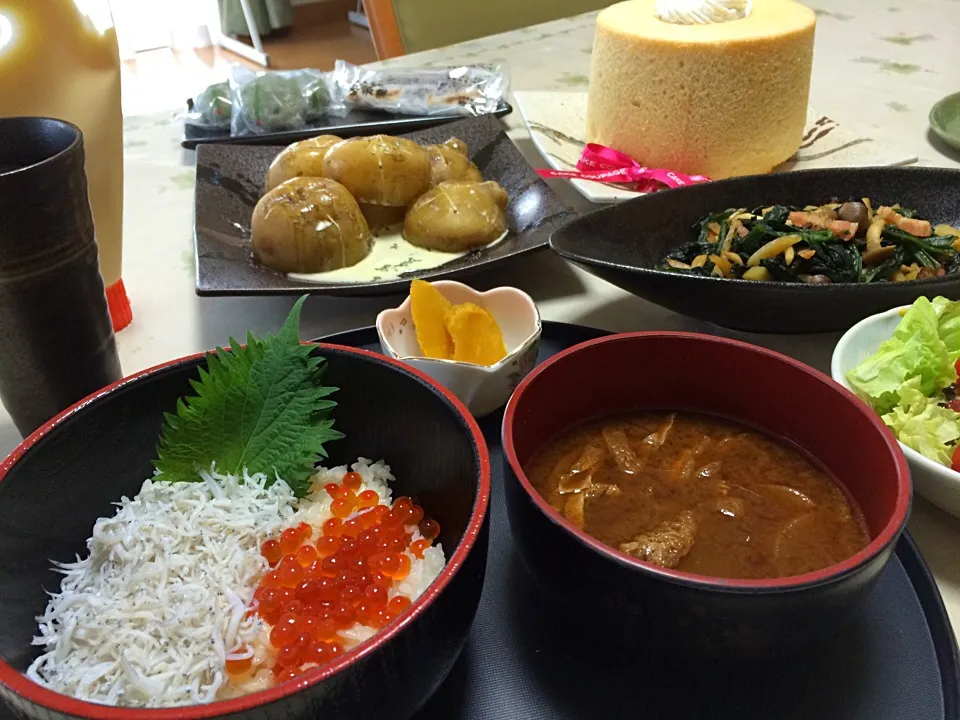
(213,107)
(270,102)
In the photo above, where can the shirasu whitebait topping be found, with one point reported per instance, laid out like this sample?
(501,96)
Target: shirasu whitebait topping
(149,618)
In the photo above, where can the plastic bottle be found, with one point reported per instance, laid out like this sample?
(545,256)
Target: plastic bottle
(59,58)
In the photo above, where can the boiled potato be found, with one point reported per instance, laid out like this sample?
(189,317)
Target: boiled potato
(309,225)
(457,216)
(302,159)
(380,170)
(449,163)
(383,217)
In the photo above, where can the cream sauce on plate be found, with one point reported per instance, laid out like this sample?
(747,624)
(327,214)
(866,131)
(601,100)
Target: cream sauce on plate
(391,257)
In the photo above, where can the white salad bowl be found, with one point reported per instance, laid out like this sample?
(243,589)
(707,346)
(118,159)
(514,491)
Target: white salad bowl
(481,388)
(931,480)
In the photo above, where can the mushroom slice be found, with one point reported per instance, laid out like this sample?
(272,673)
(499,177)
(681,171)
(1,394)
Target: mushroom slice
(597,490)
(657,439)
(619,446)
(666,544)
(573,509)
(794,551)
(684,466)
(575,506)
(711,469)
(731,507)
(581,472)
(784,493)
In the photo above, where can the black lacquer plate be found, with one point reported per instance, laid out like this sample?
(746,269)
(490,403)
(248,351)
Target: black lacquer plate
(525,660)
(356,122)
(625,243)
(230,181)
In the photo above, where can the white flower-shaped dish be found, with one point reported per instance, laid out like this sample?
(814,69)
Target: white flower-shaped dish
(931,480)
(482,389)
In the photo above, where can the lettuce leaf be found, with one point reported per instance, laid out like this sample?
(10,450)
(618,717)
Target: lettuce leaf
(916,351)
(948,325)
(921,423)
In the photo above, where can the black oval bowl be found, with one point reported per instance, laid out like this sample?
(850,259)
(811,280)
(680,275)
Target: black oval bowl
(65,476)
(625,243)
(669,612)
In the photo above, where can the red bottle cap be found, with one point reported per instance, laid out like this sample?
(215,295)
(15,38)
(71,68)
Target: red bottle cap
(119,304)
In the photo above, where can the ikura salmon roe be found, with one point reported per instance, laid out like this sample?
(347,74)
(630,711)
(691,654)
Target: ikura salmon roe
(368,499)
(239,667)
(286,673)
(352,481)
(289,540)
(324,581)
(306,554)
(404,568)
(341,507)
(418,546)
(398,604)
(327,545)
(429,528)
(337,491)
(352,527)
(271,552)
(289,656)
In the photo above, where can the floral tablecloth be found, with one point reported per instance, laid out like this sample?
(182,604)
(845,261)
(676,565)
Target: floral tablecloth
(879,67)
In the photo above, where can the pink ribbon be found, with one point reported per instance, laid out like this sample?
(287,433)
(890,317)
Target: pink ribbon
(604,164)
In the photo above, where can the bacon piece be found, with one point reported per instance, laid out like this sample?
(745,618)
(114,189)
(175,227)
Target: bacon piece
(917,228)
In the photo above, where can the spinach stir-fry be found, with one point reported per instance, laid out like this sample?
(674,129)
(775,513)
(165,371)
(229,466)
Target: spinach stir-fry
(847,242)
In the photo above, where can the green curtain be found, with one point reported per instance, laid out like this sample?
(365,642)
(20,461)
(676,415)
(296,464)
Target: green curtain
(268,14)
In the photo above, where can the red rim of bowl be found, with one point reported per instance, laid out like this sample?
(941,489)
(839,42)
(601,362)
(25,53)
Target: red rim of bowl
(23,687)
(794,582)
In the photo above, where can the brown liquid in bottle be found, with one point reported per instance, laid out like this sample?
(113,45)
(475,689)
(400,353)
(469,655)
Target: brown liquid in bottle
(59,58)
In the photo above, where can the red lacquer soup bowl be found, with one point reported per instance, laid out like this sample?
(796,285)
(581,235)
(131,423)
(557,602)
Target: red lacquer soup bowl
(63,478)
(697,614)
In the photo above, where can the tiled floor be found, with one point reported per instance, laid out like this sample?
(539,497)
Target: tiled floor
(163,79)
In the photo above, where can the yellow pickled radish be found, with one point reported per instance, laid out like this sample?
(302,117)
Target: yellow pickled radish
(476,336)
(428,308)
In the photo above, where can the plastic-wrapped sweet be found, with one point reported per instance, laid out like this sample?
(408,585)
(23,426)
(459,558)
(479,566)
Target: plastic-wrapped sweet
(380,170)
(302,159)
(457,216)
(274,101)
(267,103)
(212,107)
(309,225)
(463,90)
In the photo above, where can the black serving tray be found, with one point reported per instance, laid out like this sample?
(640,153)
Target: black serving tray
(356,122)
(525,660)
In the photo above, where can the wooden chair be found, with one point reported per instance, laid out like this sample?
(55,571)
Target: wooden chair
(400,27)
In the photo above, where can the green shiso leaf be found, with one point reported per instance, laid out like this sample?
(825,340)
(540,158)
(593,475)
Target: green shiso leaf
(261,408)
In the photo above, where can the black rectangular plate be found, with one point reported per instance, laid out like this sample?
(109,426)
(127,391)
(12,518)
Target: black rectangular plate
(524,661)
(356,122)
(230,181)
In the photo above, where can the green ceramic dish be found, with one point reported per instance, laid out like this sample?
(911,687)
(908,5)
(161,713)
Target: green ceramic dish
(945,119)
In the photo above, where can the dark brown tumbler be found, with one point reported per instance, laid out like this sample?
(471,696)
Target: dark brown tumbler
(56,340)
